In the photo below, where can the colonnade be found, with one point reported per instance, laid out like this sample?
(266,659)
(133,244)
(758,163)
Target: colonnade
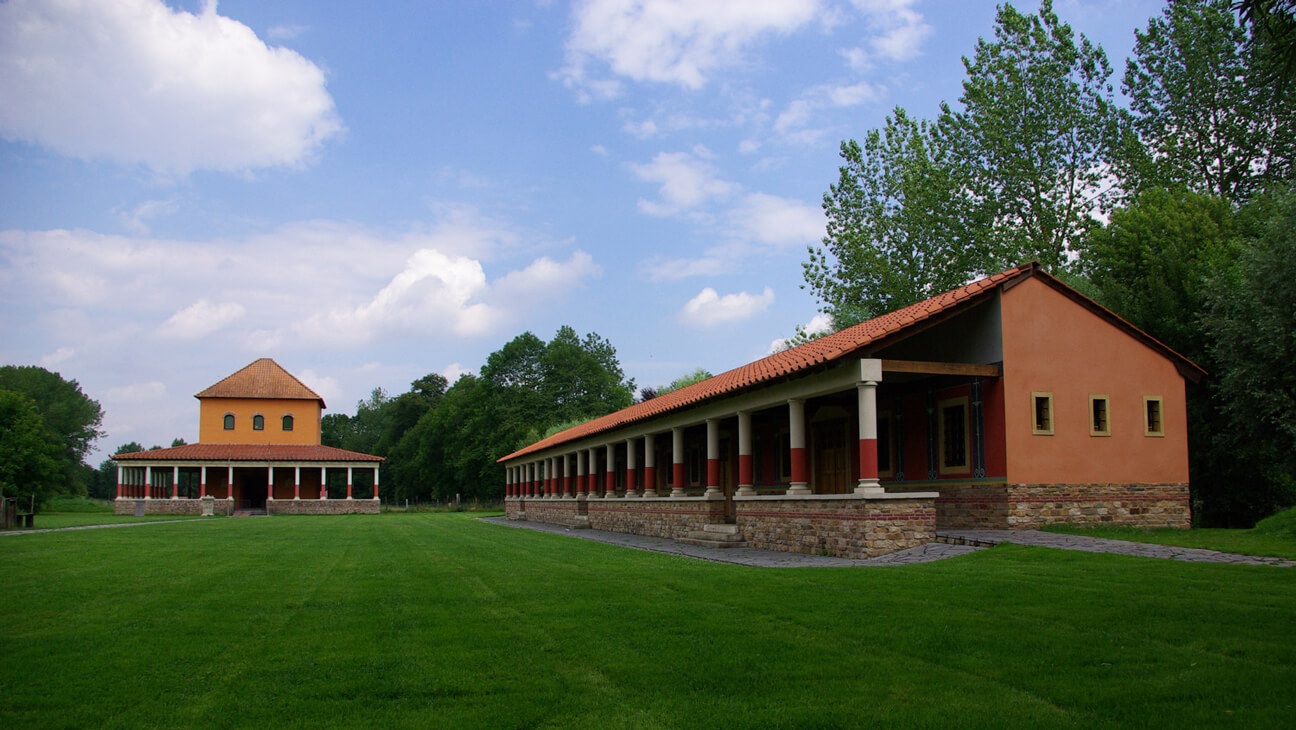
(570,473)
(137,482)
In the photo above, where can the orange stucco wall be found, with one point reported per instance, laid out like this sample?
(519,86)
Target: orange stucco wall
(211,421)
(1052,344)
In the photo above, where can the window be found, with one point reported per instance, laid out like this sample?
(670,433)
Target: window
(953,424)
(229,421)
(287,423)
(884,429)
(1099,425)
(258,422)
(1042,414)
(1152,422)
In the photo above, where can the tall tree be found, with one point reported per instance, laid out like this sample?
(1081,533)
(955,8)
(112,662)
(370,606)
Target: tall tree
(1204,116)
(896,232)
(1033,137)
(71,418)
(1273,33)
(29,458)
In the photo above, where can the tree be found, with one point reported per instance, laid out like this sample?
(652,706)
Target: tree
(1033,138)
(896,230)
(1204,117)
(683,381)
(1251,322)
(71,418)
(29,459)
(1273,33)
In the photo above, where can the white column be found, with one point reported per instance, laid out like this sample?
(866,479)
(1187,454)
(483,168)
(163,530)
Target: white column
(677,461)
(609,473)
(148,482)
(349,482)
(650,468)
(797,437)
(270,487)
(632,490)
(229,483)
(593,477)
(868,457)
(202,482)
(745,472)
(551,478)
(297,483)
(119,481)
(375,483)
(713,459)
(175,482)
(323,482)
(580,474)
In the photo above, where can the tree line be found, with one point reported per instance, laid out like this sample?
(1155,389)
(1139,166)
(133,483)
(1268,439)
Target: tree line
(1177,213)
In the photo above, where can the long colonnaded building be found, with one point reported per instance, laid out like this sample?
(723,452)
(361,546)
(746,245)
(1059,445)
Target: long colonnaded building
(258,449)
(1012,402)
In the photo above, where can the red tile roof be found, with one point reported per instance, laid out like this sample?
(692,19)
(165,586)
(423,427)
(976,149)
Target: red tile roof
(829,348)
(247,452)
(263,378)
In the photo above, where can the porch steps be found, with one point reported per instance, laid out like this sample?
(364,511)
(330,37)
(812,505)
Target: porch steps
(962,540)
(715,536)
(249,513)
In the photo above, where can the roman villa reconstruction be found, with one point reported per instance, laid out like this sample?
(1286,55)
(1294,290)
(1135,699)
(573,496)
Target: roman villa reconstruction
(258,449)
(1011,402)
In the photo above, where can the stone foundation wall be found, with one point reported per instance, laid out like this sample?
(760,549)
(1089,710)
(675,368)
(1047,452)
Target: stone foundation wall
(171,506)
(845,528)
(1026,506)
(555,511)
(513,509)
(323,507)
(654,516)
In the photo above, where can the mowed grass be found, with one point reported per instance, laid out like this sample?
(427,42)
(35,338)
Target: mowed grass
(1274,536)
(441,620)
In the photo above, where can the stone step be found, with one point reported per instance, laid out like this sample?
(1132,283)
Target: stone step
(703,542)
(971,542)
(722,529)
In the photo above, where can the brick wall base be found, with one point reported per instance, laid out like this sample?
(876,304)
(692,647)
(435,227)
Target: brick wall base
(171,506)
(655,517)
(845,528)
(323,507)
(1026,506)
(565,512)
(513,509)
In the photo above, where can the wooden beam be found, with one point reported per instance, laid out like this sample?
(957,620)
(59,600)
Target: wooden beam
(940,368)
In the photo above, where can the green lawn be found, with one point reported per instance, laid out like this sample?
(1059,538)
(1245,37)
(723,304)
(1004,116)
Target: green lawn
(50,520)
(441,620)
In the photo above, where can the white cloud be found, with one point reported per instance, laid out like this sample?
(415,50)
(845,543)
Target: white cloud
(778,221)
(325,386)
(801,112)
(897,33)
(748,146)
(820,323)
(544,275)
(679,42)
(453,371)
(285,32)
(136,220)
(61,355)
(643,130)
(599,150)
(687,181)
(153,390)
(133,81)
(201,319)
(709,309)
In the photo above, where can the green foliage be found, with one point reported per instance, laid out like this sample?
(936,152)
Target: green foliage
(1204,117)
(67,503)
(29,458)
(1281,524)
(683,381)
(1273,27)
(71,419)
(896,229)
(1033,138)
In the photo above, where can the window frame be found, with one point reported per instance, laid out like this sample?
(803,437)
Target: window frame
(966,466)
(1094,398)
(228,422)
(287,422)
(1049,429)
(1160,413)
(258,422)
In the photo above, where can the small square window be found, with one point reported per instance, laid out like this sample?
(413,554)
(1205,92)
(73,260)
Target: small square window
(1042,414)
(258,423)
(1099,422)
(1153,425)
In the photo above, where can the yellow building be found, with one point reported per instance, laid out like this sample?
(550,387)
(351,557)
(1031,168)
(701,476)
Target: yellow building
(258,450)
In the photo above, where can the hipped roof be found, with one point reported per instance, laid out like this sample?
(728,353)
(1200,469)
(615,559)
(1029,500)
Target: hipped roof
(263,378)
(247,452)
(840,345)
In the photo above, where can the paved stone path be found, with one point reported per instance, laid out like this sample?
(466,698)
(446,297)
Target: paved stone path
(94,527)
(1039,538)
(743,556)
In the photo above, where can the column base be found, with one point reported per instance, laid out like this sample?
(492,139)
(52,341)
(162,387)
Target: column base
(799,488)
(713,493)
(745,490)
(296,499)
(869,488)
(648,493)
(677,492)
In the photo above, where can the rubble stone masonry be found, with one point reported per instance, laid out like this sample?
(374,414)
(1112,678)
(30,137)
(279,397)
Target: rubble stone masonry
(1026,506)
(845,527)
(672,517)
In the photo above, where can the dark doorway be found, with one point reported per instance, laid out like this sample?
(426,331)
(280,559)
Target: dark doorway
(253,487)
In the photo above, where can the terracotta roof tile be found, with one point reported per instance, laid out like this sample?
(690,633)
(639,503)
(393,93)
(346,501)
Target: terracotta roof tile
(825,349)
(247,452)
(263,378)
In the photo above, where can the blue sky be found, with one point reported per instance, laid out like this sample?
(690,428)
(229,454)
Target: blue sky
(369,192)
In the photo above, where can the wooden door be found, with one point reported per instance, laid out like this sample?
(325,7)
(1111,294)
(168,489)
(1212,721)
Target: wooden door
(831,459)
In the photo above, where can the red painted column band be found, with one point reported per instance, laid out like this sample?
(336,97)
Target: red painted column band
(713,472)
(631,483)
(677,476)
(868,458)
(650,477)
(610,482)
(799,474)
(745,469)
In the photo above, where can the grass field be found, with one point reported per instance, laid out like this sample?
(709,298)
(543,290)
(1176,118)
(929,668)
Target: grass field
(1274,536)
(64,511)
(441,620)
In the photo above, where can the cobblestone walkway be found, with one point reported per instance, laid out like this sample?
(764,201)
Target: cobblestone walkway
(743,556)
(94,527)
(1037,538)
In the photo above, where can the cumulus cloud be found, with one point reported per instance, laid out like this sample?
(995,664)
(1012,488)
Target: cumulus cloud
(778,221)
(153,390)
(136,82)
(687,180)
(709,309)
(201,319)
(325,386)
(819,324)
(897,32)
(800,112)
(680,42)
(61,355)
(454,371)
(544,274)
